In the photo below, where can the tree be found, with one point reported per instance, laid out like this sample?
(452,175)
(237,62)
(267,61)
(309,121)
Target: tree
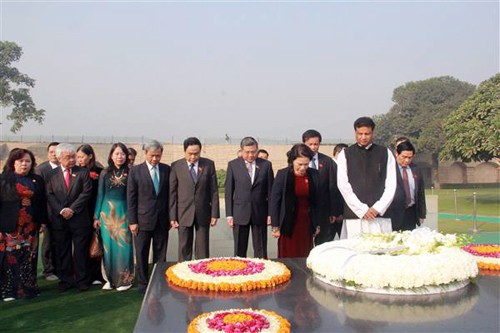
(418,113)
(473,131)
(419,109)
(23,107)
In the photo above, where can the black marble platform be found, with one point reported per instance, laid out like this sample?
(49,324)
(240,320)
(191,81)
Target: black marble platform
(313,306)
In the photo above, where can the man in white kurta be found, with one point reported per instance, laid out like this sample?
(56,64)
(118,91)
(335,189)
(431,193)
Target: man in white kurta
(366,177)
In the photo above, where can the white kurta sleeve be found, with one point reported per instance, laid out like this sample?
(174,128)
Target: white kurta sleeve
(390,186)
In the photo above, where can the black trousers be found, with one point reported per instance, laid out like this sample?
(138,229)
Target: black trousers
(410,220)
(72,243)
(142,243)
(241,234)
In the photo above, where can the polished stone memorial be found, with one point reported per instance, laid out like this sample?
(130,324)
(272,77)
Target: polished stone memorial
(313,306)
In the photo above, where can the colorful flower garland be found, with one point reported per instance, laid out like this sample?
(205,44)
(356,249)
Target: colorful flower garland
(228,274)
(487,255)
(241,321)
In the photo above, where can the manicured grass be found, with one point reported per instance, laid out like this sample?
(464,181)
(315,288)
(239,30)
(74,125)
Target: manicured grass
(72,311)
(487,200)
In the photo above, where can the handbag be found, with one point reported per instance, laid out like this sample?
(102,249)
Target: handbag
(95,250)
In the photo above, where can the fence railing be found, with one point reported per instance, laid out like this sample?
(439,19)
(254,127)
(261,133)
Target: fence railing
(142,139)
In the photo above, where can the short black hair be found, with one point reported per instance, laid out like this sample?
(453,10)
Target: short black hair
(364,122)
(191,141)
(401,139)
(311,134)
(405,146)
(338,148)
(132,151)
(262,151)
(54,143)
(299,150)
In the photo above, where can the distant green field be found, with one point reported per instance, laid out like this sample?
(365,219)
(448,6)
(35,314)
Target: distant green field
(487,199)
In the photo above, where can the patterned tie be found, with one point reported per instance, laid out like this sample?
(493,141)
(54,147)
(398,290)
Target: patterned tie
(406,185)
(156,183)
(249,168)
(192,171)
(67,171)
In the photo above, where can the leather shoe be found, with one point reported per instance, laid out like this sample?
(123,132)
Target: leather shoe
(63,286)
(83,287)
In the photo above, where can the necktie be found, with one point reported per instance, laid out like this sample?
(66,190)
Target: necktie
(314,166)
(156,183)
(249,168)
(406,185)
(66,177)
(192,171)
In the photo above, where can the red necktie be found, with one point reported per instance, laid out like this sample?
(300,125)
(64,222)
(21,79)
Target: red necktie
(66,178)
(406,186)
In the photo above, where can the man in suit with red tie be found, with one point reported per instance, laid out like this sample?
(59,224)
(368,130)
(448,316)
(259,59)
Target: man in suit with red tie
(408,208)
(248,187)
(330,205)
(68,190)
(147,199)
(194,200)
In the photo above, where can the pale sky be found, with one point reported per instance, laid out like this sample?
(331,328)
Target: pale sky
(268,69)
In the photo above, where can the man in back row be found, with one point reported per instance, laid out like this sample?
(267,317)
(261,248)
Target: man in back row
(330,205)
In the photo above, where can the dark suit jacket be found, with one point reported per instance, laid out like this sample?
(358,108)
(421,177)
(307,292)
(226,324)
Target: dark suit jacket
(76,197)
(397,207)
(144,206)
(44,170)
(188,200)
(283,200)
(330,199)
(10,202)
(245,201)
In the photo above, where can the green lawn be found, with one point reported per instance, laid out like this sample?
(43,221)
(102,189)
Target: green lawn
(111,311)
(487,199)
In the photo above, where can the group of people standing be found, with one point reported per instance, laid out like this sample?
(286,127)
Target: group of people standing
(365,188)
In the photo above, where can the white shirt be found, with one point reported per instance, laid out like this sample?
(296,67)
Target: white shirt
(359,208)
(53,165)
(314,163)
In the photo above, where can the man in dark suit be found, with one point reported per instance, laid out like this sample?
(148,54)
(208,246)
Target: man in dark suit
(408,208)
(48,246)
(68,190)
(194,200)
(330,205)
(249,182)
(147,199)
